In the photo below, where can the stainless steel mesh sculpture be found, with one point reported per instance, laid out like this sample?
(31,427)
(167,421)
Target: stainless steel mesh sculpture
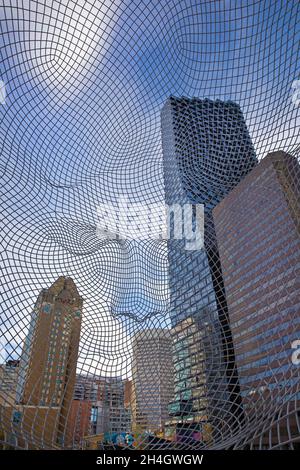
(82,89)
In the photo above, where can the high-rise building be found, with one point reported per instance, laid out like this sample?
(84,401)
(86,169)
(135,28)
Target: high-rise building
(49,357)
(258,233)
(47,367)
(206,152)
(152,379)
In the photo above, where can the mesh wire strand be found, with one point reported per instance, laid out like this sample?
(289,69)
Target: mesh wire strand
(81,126)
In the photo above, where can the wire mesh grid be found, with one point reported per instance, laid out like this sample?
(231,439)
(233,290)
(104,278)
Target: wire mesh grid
(131,341)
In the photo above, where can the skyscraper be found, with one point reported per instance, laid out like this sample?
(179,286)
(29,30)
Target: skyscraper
(152,379)
(206,152)
(258,235)
(48,364)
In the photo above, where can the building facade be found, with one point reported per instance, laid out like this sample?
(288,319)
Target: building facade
(152,379)
(99,407)
(206,152)
(110,412)
(189,408)
(47,369)
(258,235)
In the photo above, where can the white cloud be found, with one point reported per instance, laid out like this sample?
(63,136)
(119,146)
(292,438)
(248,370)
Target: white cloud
(62,39)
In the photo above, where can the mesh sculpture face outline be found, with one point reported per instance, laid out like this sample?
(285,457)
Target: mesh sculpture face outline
(67,148)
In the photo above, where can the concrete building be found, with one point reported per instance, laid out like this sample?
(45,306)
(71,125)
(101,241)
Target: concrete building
(207,151)
(258,235)
(152,379)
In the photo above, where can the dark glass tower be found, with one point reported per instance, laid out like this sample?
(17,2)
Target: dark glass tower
(207,152)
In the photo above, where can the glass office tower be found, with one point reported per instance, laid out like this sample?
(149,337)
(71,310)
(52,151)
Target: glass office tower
(207,151)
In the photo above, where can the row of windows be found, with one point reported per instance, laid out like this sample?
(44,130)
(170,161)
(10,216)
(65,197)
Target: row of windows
(288,312)
(266,334)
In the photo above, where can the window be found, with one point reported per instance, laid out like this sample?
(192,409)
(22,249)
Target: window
(17,416)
